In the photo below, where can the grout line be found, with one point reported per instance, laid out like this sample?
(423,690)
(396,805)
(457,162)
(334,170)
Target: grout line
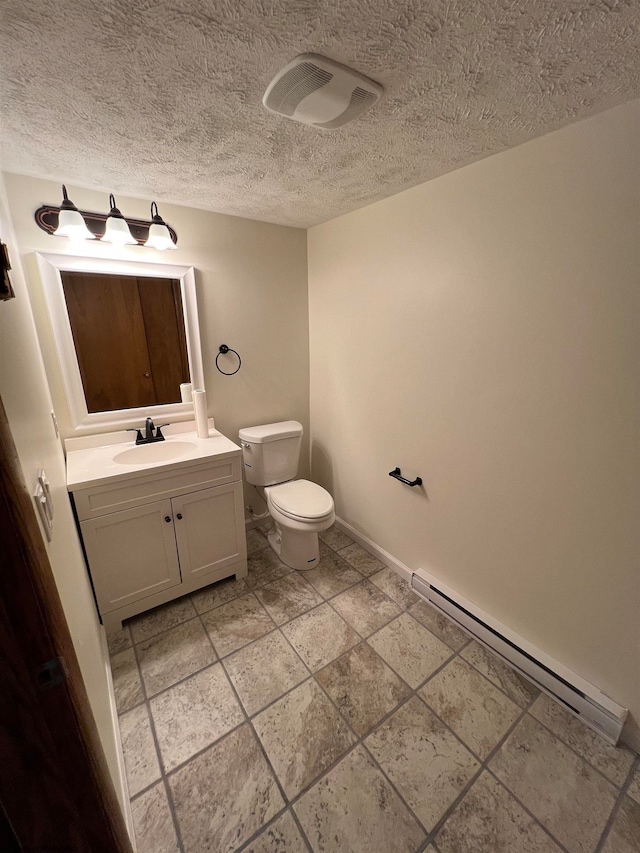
(286,810)
(528,704)
(573,749)
(251,726)
(298,823)
(538,822)
(359,740)
(617,806)
(156,743)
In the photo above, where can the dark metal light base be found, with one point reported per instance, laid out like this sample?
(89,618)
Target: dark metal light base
(47,218)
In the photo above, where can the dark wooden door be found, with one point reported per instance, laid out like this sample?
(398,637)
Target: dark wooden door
(161,304)
(55,788)
(129,339)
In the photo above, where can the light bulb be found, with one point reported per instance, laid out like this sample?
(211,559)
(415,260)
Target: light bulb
(117,229)
(159,234)
(70,221)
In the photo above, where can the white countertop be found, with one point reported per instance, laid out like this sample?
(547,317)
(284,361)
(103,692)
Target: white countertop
(90,459)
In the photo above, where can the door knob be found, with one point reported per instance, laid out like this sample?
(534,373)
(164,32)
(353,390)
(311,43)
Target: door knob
(167,518)
(179,516)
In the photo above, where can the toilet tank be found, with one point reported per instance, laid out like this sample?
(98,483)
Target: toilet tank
(271,452)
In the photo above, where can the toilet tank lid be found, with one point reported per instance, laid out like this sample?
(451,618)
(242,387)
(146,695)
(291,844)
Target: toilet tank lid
(270,432)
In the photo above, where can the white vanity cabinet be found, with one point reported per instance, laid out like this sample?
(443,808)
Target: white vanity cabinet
(158,535)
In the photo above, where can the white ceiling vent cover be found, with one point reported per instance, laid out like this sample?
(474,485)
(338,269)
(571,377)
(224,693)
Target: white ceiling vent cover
(318,91)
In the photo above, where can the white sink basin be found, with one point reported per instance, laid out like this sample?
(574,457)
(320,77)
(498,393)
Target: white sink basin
(163,451)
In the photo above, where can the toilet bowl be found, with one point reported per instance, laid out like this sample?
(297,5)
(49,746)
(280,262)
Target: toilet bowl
(300,509)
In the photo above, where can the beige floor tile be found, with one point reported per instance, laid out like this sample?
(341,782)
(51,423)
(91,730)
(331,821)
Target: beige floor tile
(363,687)
(472,706)
(438,624)
(425,762)
(634,787)
(558,787)
(412,651)
(169,657)
(218,593)
(282,836)
(361,559)
(288,597)
(302,734)
(489,820)
(517,688)
(256,541)
(332,575)
(323,548)
(127,686)
(365,607)
(613,762)
(624,836)
(193,714)
(118,641)
(138,747)
(395,587)
(320,636)
(224,795)
(153,823)
(265,566)
(353,808)
(335,538)
(237,623)
(161,618)
(264,671)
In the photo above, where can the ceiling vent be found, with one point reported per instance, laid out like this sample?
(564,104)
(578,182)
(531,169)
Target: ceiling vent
(318,91)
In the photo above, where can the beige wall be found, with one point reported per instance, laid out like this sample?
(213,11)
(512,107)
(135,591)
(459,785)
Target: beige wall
(481,330)
(251,281)
(25,394)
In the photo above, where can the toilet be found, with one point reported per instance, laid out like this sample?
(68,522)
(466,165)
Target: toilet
(299,508)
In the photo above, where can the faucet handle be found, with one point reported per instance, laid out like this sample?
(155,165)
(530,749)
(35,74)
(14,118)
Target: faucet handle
(139,438)
(159,435)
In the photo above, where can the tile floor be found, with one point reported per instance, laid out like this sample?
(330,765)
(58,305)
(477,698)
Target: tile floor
(333,711)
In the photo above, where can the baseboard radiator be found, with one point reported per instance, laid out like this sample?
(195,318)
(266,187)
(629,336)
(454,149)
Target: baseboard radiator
(595,709)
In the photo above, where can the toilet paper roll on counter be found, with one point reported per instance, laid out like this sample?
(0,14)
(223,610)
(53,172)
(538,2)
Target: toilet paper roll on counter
(200,410)
(186,395)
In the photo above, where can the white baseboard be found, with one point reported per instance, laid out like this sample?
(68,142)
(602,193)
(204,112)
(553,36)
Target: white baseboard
(122,772)
(384,556)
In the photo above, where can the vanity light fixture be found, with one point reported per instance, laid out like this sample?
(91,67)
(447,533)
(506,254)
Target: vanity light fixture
(117,229)
(114,228)
(159,236)
(70,221)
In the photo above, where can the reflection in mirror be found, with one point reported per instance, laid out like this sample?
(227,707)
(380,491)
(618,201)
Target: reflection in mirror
(129,338)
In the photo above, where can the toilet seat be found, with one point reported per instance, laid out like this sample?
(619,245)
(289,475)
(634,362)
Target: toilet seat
(301,500)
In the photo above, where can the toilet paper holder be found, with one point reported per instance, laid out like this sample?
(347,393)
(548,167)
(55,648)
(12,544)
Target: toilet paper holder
(397,474)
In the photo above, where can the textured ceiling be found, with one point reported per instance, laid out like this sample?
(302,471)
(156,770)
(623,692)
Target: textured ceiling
(162,99)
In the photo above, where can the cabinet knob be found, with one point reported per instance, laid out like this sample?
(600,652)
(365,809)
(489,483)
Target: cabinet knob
(179,516)
(167,518)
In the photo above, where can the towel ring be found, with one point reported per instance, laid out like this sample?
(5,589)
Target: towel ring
(224,349)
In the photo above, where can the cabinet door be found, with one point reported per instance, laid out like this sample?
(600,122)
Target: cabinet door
(209,530)
(132,554)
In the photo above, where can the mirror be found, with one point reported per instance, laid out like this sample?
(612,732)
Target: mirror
(127,337)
